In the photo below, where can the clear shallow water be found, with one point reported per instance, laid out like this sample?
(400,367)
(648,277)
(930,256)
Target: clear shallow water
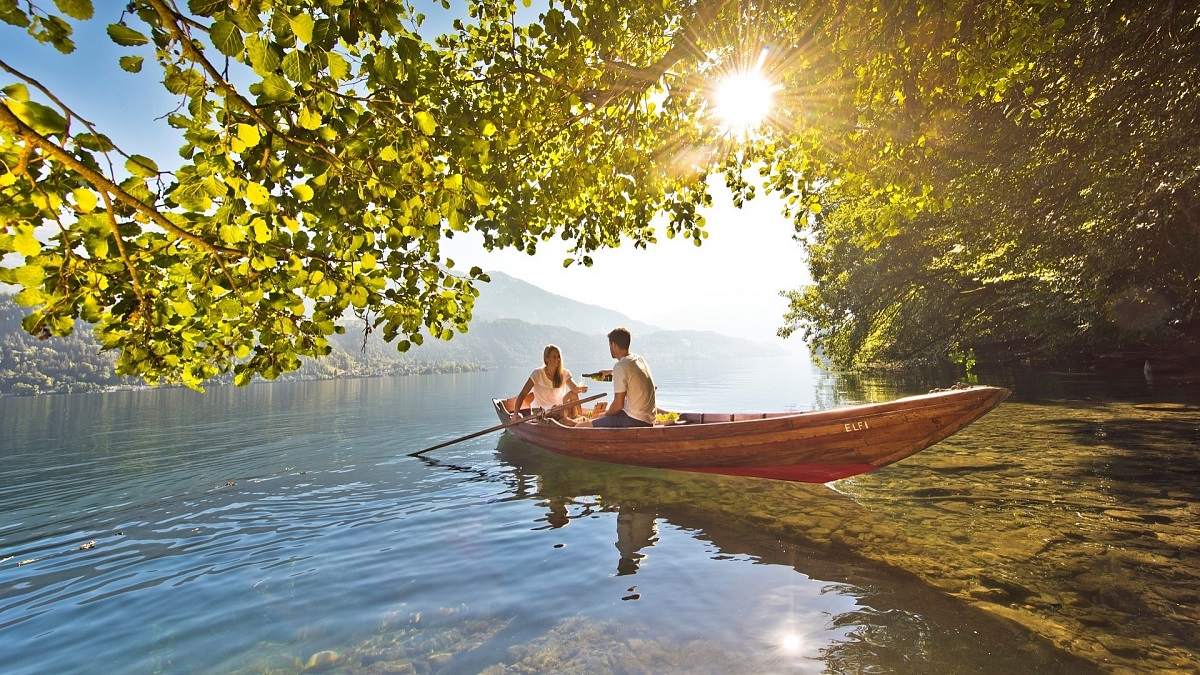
(283,527)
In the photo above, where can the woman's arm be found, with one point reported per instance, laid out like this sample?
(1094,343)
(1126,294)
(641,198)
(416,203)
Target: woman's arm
(521,397)
(576,388)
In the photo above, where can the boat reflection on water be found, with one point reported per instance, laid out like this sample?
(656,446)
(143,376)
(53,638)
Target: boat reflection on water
(899,622)
(636,529)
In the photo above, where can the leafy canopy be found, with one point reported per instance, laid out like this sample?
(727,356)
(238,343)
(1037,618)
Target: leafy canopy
(330,148)
(1067,226)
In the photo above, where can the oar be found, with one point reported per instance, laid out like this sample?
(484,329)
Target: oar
(509,423)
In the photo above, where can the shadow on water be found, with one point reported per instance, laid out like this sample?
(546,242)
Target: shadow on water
(1142,450)
(900,623)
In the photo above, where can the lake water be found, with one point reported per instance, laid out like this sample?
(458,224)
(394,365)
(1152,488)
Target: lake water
(281,528)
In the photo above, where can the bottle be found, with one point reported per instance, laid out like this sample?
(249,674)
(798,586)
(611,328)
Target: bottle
(599,376)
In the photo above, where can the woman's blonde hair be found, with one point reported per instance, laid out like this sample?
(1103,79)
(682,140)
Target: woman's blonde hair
(556,378)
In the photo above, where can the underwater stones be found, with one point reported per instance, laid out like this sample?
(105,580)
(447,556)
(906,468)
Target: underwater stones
(1123,514)
(1121,645)
(1044,601)
(322,660)
(1024,543)
(987,593)
(955,506)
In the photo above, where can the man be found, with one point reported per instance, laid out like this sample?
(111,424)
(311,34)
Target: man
(633,402)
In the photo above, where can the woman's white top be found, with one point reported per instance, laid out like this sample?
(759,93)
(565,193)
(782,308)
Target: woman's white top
(545,394)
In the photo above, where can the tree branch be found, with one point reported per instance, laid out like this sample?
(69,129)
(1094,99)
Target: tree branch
(35,140)
(171,19)
(685,43)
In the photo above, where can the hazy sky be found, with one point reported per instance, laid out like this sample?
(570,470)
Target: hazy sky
(731,284)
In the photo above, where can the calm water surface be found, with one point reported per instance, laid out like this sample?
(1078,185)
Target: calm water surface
(282,528)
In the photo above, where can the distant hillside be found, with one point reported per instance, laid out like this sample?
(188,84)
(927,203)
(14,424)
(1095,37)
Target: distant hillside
(31,366)
(513,321)
(510,298)
(510,342)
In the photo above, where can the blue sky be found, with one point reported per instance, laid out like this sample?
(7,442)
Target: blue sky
(731,284)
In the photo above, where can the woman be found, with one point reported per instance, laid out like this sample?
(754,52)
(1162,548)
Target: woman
(549,386)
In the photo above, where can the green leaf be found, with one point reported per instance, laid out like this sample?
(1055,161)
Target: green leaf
(297,66)
(126,36)
(26,244)
(17,92)
(76,9)
(12,15)
(339,68)
(257,194)
(132,64)
(141,166)
(309,119)
(85,199)
(28,276)
(191,193)
(207,7)
(30,297)
(302,27)
(264,57)
(249,134)
(214,187)
(262,233)
(426,122)
(276,88)
(232,234)
(44,120)
(227,38)
(60,325)
(303,192)
(99,143)
(98,246)
(184,308)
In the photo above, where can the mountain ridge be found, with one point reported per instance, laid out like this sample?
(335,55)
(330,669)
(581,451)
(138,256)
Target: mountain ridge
(503,333)
(507,297)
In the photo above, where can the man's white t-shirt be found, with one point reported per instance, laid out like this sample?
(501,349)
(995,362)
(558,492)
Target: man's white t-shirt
(545,394)
(632,376)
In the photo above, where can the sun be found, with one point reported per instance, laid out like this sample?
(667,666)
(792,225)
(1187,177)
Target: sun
(743,101)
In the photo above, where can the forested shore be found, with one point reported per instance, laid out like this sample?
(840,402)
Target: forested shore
(76,363)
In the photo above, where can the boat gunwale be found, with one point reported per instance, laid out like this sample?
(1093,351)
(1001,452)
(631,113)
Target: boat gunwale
(774,421)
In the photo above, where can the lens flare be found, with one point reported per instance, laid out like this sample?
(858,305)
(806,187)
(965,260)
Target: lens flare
(742,101)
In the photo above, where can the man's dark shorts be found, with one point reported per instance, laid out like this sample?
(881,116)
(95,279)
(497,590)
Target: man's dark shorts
(619,421)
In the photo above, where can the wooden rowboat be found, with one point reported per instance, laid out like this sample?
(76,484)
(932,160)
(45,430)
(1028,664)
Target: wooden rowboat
(813,447)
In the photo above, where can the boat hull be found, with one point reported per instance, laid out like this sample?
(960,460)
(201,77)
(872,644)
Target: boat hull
(813,447)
